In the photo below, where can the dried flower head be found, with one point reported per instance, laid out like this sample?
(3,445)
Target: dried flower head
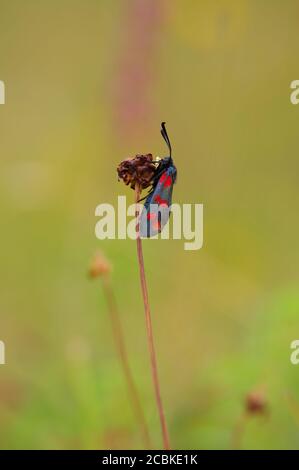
(99,266)
(138,170)
(256,403)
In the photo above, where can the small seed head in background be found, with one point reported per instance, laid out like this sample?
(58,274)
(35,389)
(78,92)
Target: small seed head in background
(256,403)
(99,266)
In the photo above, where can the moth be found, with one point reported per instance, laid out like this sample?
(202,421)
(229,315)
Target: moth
(156,209)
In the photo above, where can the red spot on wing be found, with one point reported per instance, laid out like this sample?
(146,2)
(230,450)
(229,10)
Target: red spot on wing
(159,200)
(156,225)
(168,182)
(163,177)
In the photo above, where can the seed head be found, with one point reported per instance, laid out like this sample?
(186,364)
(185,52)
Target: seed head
(256,403)
(99,266)
(138,170)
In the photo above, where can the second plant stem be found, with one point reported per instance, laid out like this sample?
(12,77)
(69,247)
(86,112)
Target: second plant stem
(119,341)
(149,329)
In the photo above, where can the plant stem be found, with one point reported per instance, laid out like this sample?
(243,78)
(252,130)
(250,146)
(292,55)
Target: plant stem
(149,329)
(238,432)
(120,345)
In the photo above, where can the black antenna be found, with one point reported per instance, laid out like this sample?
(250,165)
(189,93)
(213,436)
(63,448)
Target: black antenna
(165,136)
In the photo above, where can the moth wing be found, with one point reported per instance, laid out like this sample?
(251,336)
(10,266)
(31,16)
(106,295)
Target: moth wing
(156,210)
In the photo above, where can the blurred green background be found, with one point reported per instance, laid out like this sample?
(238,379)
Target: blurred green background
(87,84)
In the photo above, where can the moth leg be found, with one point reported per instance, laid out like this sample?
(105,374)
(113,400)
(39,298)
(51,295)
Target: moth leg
(146,196)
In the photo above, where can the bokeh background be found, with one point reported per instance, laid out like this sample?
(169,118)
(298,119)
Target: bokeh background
(87,84)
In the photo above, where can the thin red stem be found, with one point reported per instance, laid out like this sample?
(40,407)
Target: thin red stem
(149,329)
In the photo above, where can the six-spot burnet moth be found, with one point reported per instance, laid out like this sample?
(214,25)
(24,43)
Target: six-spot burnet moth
(156,209)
